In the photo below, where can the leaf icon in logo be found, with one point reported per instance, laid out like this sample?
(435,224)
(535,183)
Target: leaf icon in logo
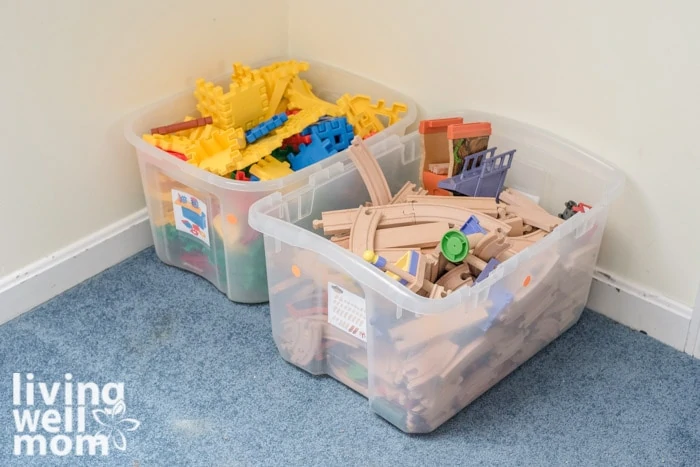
(113,423)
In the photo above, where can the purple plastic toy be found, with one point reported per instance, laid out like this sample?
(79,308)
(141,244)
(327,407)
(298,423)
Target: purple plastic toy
(483,174)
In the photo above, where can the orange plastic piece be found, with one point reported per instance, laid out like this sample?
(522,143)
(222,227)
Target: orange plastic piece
(438,125)
(468,130)
(231,219)
(527,280)
(430,183)
(296,271)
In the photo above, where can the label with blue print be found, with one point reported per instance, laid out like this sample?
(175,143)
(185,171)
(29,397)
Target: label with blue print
(190,215)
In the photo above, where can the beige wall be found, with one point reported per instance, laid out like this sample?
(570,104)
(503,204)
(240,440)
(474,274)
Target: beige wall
(70,71)
(620,78)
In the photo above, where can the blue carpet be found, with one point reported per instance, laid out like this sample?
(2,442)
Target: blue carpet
(204,379)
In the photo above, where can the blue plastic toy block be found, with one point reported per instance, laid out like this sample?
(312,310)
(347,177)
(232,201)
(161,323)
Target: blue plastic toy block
(336,130)
(472,226)
(265,127)
(483,174)
(311,153)
(253,178)
(490,266)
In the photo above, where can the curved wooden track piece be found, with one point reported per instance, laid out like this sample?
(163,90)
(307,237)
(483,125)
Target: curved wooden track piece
(483,205)
(407,191)
(370,172)
(456,278)
(520,243)
(492,245)
(363,230)
(531,212)
(396,215)
(411,236)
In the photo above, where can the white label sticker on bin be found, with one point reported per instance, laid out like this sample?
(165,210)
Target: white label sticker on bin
(346,311)
(190,215)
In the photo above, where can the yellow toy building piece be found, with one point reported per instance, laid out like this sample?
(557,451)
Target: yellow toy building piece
(218,153)
(279,88)
(243,106)
(264,146)
(284,105)
(241,73)
(289,69)
(222,163)
(164,219)
(202,132)
(391,113)
(269,168)
(362,114)
(278,69)
(300,97)
(181,144)
(220,142)
(277,78)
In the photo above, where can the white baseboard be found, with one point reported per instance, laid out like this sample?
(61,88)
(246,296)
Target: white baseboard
(628,304)
(692,345)
(33,285)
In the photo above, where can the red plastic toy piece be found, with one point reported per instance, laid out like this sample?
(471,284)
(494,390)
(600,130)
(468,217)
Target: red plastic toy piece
(179,155)
(581,207)
(371,133)
(240,176)
(291,112)
(295,140)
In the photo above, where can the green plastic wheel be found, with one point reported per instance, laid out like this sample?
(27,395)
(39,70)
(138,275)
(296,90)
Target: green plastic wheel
(455,246)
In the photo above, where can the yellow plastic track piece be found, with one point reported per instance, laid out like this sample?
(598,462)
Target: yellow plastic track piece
(362,114)
(300,97)
(269,168)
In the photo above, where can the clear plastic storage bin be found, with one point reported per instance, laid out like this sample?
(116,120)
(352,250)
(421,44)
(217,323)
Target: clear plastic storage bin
(226,251)
(419,361)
